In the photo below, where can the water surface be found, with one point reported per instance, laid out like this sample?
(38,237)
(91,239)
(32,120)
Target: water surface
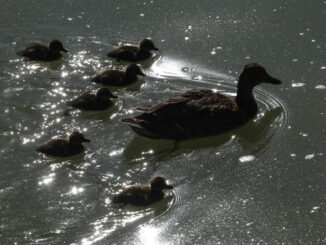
(263,183)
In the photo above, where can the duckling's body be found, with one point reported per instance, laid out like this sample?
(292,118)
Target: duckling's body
(143,195)
(134,53)
(39,51)
(102,100)
(64,147)
(202,112)
(119,78)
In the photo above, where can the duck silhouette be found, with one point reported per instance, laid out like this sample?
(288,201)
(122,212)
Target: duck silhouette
(134,53)
(203,112)
(143,195)
(119,78)
(64,147)
(39,51)
(102,100)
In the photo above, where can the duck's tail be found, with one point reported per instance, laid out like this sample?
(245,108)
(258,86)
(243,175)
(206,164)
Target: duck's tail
(138,126)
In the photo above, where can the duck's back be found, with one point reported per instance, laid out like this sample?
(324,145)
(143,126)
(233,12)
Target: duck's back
(134,195)
(110,77)
(60,147)
(89,101)
(191,114)
(130,53)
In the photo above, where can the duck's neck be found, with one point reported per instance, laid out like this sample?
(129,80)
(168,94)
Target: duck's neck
(131,76)
(245,99)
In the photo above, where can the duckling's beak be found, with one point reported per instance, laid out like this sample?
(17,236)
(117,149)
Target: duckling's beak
(141,74)
(154,48)
(272,80)
(86,140)
(168,187)
(64,50)
(113,96)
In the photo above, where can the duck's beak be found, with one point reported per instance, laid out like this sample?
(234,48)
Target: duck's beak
(168,187)
(272,80)
(64,50)
(86,140)
(113,96)
(154,48)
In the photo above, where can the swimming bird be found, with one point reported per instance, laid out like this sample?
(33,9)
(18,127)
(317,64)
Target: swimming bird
(143,195)
(103,99)
(39,51)
(134,53)
(119,78)
(202,112)
(64,147)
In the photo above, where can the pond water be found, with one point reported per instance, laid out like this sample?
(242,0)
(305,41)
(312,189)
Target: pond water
(262,183)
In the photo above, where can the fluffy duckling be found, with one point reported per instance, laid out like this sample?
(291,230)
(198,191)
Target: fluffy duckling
(119,78)
(202,112)
(134,53)
(64,147)
(143,195)
(102,100)
(39,51)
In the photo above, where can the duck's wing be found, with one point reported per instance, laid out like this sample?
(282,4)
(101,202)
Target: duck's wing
(110,77)
(35,51)
(191,114)
(128,53)
(54,147)
(84,101)
(133,195)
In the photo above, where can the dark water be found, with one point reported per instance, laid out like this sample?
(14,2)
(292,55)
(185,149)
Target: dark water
(263,183)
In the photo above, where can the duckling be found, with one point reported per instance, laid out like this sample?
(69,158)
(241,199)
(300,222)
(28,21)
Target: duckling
(134,53)
(39,51)
(102,100)
(64,147)
(119,78)
(143,195)
(202,112)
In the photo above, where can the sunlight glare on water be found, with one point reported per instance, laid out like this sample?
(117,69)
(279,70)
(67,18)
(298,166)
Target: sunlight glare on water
(261,183)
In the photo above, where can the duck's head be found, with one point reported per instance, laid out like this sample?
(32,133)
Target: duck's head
(77,138)
(56,46)
(159,183)
(105,93)
(254,74)
(147,44)
(134,70)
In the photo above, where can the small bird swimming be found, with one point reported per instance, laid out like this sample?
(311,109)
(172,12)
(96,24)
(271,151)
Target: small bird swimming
(202,112)
(134,53)
(143,195)
(119,78)
(64,147)
(39,51)
(102,100)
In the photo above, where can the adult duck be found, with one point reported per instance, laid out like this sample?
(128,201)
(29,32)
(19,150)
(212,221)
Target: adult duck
(134,53)
(39,51)
(119,78)
(64,147)
(143,195)
(102,100)
(202,112)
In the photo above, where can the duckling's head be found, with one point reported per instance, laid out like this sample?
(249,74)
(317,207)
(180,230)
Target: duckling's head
(56,46)
(159,183)
(134,70)
(254,74)
(77,138)
(105,93)
(147,44)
